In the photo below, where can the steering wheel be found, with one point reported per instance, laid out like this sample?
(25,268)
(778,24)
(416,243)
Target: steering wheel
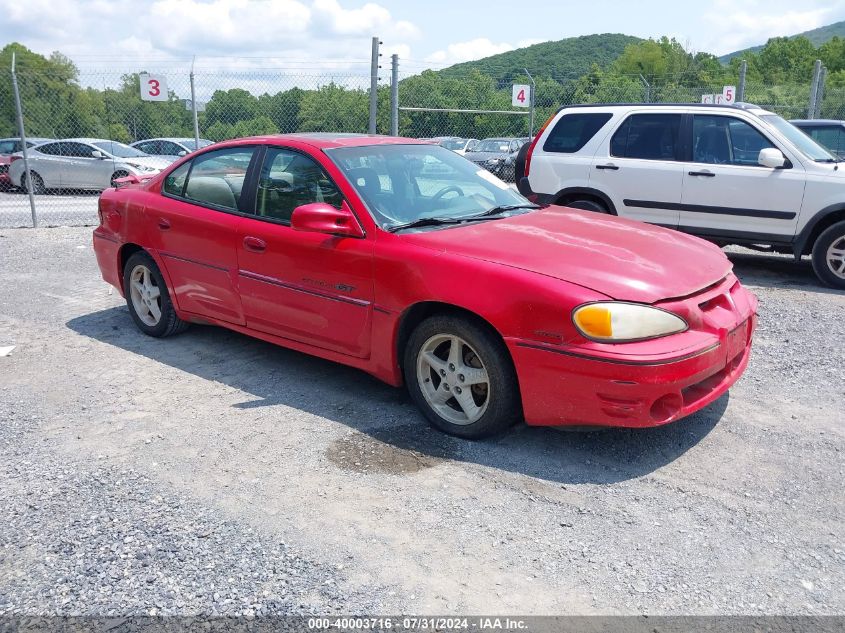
(436,197)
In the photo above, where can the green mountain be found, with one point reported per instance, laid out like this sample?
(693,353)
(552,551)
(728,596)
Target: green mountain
(561,60)
(817,36)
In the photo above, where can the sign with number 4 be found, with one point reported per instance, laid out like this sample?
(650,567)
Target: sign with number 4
(153,87)
(521,96)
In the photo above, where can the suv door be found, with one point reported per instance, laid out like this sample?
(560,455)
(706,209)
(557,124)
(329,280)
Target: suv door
(308,287)
(195,231)
(727,192)
(638,167)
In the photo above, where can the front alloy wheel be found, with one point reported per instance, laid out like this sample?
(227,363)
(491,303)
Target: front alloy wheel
(460,374)
(829,255)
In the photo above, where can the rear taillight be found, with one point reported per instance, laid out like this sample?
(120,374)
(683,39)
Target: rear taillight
(534,143)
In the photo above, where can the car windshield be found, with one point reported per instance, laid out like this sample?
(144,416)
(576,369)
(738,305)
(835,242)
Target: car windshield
(406,183)
(191,144)
(801,141)
(493,145)
(453,143)
(119,150)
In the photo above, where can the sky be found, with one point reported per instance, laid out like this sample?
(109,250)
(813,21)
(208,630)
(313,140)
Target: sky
(312,34)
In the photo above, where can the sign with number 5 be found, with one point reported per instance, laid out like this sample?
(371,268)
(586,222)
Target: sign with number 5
(153,87)
(728,94)
(521,96)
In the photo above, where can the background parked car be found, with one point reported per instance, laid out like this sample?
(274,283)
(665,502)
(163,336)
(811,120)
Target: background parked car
(497,155)
(826,132)
(171,148)
(459,145)
(82,163)
(9,146)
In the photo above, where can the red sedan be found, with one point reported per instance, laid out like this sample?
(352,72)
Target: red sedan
(407,261)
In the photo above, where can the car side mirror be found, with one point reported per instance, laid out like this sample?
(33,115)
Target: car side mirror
(182,153)
(319,217)
(98,154)
(771,157)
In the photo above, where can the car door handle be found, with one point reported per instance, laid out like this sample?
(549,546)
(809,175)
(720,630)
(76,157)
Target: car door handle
(163,224)
(254,244)
(706,174)
(610,166)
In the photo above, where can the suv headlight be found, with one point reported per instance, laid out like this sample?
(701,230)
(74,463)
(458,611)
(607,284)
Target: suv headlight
(618,322)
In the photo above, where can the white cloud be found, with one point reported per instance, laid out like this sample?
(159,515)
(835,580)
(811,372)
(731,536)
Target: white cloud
(733,29)
(468,51)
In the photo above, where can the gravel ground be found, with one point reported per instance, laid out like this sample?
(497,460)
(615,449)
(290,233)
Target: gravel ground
(213,473)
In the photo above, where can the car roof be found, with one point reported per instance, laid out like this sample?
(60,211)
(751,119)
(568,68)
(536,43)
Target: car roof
(747,107)
(87,140)
(175,139)
(816,122)
(327,140)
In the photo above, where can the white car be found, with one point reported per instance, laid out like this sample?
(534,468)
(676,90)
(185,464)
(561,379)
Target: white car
(82,163)
(170,147)
(731,174)
(457,144)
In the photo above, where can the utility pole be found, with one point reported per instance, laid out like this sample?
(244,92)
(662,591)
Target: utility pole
(22,134)
(374,66)
(394,95)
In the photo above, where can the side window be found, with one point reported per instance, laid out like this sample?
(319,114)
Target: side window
(51,149)
(174,182)
(77,150)
(288,180)
(647,136)
(168,148)
(573,131)
(148,147)
(7,147)
(721,140)
(217,178)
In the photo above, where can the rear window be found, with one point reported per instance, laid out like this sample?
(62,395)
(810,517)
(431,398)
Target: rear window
(573,131)
(648,136)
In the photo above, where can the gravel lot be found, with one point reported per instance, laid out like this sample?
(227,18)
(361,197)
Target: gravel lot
(212,473)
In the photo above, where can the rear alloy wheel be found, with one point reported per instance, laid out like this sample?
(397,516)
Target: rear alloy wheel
(461,377)
(148,299)
(38,187)
(116,175)
(829,256)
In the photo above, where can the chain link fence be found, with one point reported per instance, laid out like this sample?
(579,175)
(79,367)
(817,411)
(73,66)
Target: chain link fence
(96,116)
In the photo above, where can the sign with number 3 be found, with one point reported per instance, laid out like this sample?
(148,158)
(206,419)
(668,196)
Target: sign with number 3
(153,87)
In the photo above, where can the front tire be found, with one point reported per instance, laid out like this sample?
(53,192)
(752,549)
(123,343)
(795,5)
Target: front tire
(829,256)
(460,375)
(148,298)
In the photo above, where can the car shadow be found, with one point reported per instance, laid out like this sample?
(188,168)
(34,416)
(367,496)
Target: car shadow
(777,271)
(390,428)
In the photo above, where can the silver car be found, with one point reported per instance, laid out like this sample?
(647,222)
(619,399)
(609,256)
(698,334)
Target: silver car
(83,163)
(169,147)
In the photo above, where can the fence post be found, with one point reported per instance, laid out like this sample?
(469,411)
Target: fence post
(194,107)
(817,69)
(647,89)
(820,93)
(22,133)
(740,90)
(374,85)
(531,105)
(394,95)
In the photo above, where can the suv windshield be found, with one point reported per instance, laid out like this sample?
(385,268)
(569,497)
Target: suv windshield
(120,150)
(406,183)
(801,141)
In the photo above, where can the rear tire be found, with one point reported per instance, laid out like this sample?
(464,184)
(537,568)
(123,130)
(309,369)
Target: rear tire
(587,205)
(460,375)
(829,256)
(38,187)
(148,298)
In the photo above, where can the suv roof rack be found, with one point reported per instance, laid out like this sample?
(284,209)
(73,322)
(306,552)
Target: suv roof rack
(739,105)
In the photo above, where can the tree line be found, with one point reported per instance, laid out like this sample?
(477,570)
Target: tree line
(57,105)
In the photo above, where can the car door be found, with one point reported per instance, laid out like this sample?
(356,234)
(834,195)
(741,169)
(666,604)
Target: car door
(195,231)
(313,288)
(638,166)
(80,169)
(727,192)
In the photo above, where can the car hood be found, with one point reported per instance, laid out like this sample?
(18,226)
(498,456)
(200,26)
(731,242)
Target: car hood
(158,162)
(623,259)
(478,157)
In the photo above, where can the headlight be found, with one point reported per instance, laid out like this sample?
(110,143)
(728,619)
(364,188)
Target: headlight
(141,167)
(494,161)
(618,322)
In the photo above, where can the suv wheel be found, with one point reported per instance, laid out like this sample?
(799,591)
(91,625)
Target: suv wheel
(587,205)
(829,255)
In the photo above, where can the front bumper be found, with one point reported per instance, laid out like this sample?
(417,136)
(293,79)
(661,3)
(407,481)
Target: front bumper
(563,385)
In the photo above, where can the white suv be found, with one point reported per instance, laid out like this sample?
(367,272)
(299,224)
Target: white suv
(731,174)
